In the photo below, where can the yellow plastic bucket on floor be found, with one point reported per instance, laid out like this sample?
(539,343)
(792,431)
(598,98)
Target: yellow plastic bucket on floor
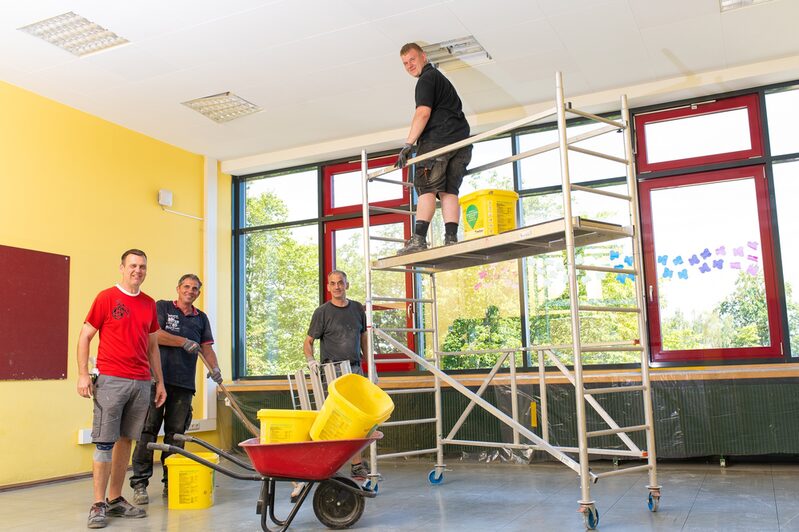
(353,409)
(285,426)
(191,485)
(488,212)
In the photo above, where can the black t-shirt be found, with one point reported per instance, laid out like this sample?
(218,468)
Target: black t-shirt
(447,123)
(178,366)
(339,329)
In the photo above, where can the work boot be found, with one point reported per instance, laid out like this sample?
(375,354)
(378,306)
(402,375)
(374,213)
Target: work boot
(416,243)
(450,239)
(97,518)
(165,494)
(140,495)
(119,507)
(360,471)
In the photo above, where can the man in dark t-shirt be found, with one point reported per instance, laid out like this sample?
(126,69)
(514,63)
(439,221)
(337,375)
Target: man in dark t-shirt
(185,332)
(437,122)
(340,325)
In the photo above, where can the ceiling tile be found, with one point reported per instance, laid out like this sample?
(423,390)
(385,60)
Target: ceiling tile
(700,47)
(754,34)
(372,10)
(475,14)
(648,13)
(424,26)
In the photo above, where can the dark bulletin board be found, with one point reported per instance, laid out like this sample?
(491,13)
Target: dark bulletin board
(34,314)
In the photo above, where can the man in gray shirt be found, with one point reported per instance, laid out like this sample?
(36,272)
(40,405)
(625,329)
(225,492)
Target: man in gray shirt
(340,325)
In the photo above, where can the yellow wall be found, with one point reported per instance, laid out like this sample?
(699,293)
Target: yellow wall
(76,185)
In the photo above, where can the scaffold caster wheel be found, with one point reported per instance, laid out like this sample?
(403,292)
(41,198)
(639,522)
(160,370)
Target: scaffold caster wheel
(337,507)
(591,518)
(435,477)
(370,485)
(653,502)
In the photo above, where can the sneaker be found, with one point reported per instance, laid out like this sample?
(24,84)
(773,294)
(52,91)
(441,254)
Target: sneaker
(295,494)
(360,471)
(140,495)
(450,239)
(119,507)
(97,518)
(416,243)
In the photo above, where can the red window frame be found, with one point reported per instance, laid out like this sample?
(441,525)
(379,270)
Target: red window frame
(769,268)
(330,171)
(750,102)
(329,246)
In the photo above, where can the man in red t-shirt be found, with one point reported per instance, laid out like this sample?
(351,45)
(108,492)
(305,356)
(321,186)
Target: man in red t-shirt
(128,324)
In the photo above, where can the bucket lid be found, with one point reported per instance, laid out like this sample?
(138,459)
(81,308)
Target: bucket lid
(178,459)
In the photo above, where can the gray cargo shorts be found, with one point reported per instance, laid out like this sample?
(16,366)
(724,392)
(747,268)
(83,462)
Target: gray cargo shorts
(443,173)
(120,408)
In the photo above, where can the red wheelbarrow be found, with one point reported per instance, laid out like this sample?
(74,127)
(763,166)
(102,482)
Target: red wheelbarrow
(338,501)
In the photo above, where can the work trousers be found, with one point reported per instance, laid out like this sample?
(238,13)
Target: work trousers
(175,414)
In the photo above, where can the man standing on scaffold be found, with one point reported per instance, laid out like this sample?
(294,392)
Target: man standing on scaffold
(437,122)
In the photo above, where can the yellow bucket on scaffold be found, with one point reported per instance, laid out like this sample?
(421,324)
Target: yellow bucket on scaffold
(285,426)
(488,212)
(353,409)
(191,485)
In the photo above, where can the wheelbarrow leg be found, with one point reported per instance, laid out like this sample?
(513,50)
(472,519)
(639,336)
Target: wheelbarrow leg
(266,505)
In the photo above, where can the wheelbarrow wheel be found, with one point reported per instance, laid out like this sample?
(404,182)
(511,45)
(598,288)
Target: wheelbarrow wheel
(335,506)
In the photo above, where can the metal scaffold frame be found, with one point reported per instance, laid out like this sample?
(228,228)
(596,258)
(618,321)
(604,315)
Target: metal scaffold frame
(567,234)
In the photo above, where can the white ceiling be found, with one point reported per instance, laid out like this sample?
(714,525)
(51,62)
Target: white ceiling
(329,69)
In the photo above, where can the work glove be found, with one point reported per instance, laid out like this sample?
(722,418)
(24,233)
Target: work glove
(215,375)
(404,154)
(191,347)
(313,365)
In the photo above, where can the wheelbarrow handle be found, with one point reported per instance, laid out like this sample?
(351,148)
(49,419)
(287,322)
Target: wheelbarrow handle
(206,463)
(236,460)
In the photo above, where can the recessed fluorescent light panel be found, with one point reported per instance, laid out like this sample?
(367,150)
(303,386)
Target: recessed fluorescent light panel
(457,53)
(222,107)
(729,5)
(74,34)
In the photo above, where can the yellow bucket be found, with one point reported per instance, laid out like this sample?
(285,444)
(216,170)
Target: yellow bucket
(488,212)
(191,485)
(285,426)
(353,409)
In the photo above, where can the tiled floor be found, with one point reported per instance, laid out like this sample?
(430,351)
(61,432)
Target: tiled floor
(473,497)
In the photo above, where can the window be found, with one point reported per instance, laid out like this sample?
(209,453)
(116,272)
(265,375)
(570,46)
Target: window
(280,292)
(281,198)
(344,251)
(343,190)
(786,186)
(548,306)
(543,170)
(701,133)
(782,108)
(709,266)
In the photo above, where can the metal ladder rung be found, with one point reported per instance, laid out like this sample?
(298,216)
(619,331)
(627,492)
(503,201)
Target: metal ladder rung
(598,154)
(406,453)
(392,181)
(406,329)
(607,432)
(598,118)
(409,390)
(390,210)
(608,269)
(591,308)
(623,470)
(609,348)
(615,389)
(402,300)
(392,360)
(601,192)
(408,422)
(387,239)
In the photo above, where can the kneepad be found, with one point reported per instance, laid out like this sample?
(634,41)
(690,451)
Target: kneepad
(103,452)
